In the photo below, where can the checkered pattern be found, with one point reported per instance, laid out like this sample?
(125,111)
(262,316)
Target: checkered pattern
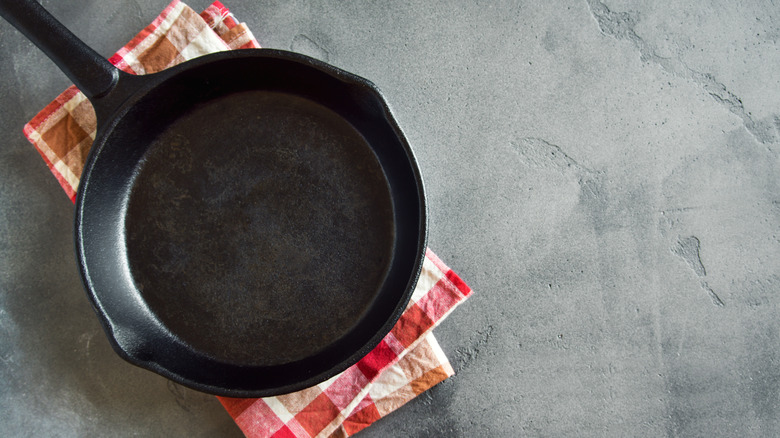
(420,369)
(407,362)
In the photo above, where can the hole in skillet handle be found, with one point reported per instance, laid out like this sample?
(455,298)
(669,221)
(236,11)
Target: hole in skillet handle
(223,350)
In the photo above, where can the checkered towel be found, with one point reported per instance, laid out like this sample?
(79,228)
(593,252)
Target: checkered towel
(407,362)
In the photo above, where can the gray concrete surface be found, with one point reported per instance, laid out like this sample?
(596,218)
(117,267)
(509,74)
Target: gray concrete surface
(605,175)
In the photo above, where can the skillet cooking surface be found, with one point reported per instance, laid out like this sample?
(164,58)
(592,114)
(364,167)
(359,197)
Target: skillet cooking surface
(259,227)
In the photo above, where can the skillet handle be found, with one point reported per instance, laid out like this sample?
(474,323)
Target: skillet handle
(88,70)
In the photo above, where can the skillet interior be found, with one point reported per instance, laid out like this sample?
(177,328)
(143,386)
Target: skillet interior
(252,227)
(259,227)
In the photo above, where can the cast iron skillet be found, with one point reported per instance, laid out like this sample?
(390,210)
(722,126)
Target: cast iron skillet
(249,223)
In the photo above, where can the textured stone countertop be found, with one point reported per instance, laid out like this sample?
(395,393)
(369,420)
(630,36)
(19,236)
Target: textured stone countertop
(604,175)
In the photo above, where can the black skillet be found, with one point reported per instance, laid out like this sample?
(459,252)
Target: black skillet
(249,223)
